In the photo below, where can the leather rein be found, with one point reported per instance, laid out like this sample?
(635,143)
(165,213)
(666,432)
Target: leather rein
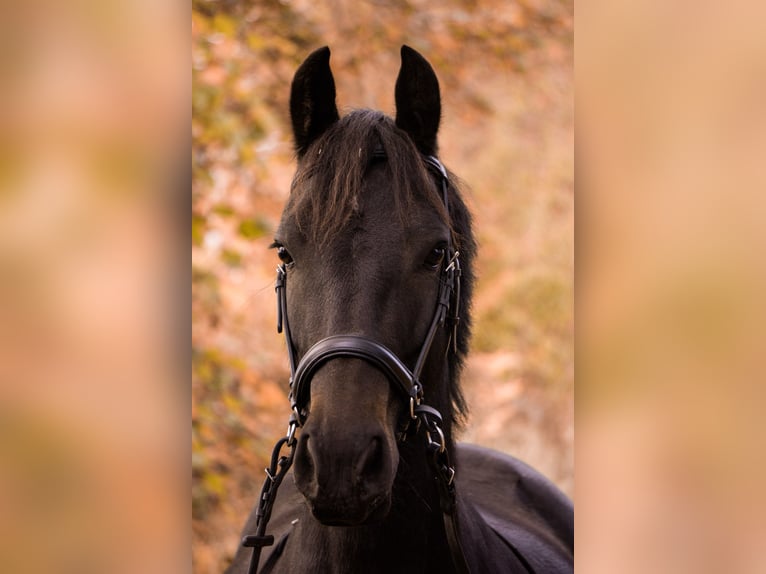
(405,381)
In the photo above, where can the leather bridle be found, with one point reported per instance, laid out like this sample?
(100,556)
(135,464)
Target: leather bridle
(404,380)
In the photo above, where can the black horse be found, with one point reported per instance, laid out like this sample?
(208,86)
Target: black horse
(377,251)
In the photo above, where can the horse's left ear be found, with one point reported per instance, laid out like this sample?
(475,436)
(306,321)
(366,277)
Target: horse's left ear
(418,104)
(312,99)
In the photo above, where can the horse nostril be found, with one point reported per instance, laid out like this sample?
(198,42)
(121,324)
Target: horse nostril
(372,461)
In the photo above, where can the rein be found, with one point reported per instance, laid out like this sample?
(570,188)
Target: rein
(405,381)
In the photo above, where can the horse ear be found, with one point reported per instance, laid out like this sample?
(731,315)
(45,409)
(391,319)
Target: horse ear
(312,99)
(418,104)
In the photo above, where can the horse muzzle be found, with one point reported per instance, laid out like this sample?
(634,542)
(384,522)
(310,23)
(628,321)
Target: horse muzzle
(346,458)
(345,486)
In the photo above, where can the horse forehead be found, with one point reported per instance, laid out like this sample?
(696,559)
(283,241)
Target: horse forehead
(370,247)
(386,228)
(373,249)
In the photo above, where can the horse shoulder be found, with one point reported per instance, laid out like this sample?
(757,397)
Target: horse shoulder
(517,505)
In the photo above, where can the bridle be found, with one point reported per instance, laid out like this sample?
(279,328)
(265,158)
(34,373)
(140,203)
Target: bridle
(404,380)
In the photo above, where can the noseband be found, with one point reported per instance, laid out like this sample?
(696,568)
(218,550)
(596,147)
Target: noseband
(404,380)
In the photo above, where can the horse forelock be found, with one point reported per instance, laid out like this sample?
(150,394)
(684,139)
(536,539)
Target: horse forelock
(325,191)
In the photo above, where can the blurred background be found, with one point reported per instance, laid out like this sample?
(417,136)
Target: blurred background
(671,271)
(94,216)
(94,186)
(505,71)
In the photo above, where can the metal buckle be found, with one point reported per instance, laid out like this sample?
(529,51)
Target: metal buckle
(431,441)
(297,415)
(416,395)
(293,424)
(452,261)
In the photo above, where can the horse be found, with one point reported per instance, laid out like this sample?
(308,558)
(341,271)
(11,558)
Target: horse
(374,290)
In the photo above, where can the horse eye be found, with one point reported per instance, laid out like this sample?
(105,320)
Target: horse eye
(435,258)
(284,255)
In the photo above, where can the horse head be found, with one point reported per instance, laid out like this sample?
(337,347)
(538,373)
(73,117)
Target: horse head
(367,235)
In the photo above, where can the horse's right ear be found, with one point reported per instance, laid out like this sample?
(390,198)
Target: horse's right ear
(312,100)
